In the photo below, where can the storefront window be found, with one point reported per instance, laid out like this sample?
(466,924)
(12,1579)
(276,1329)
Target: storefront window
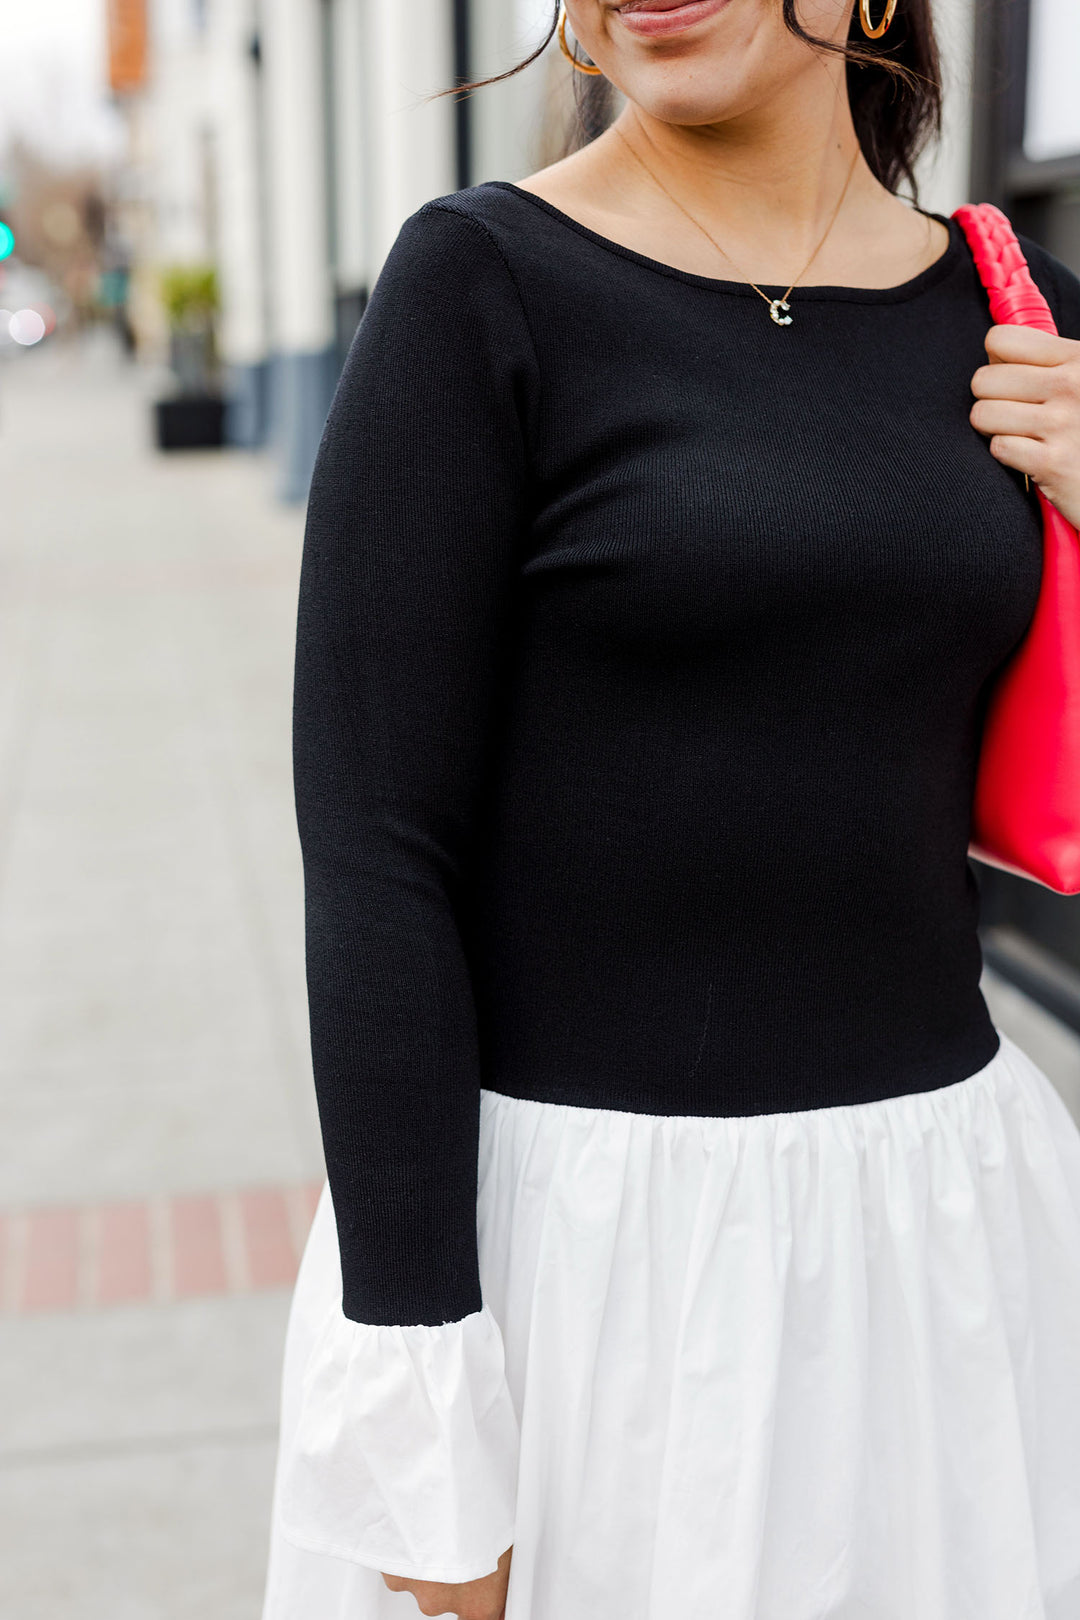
(1052,121)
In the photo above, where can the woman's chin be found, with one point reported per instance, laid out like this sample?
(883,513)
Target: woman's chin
(663,94)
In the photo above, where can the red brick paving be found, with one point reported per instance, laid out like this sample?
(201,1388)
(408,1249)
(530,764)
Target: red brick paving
(198,1256)
(51,1275)
(124,1254)
(270,1255)
(103,1255)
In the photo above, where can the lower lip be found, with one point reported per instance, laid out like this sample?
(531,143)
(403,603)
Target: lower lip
(652,23)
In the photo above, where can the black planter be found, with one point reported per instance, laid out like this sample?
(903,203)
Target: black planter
(190,422)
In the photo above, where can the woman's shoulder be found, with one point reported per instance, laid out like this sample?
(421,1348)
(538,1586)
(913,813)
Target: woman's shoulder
(453,232)
(451,266)
(445,295)
(481,222)
(477,248)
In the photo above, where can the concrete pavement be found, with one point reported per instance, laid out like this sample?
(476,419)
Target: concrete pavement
(162,1149)
(155,1092)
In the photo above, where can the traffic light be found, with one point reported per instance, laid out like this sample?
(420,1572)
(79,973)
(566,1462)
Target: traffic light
(7,240)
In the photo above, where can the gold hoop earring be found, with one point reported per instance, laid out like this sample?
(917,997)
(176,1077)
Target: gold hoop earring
(867,26)
(582,67)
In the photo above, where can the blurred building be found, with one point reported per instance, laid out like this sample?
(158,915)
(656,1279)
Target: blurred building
(285,141)
(1026,123)
(59,220)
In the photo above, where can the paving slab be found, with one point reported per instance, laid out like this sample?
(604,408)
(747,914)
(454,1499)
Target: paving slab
(154,1069)
(163,1532)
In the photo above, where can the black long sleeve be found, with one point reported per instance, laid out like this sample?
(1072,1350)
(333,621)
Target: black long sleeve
(642,653)
(412,540)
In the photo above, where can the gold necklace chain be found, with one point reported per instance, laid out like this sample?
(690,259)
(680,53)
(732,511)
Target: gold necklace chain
(776,305)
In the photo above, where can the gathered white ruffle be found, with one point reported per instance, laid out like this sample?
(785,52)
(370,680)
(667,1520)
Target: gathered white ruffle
(821,1365)
(404,1455)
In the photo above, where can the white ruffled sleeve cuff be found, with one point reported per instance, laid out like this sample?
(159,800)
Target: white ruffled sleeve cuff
(405,1453)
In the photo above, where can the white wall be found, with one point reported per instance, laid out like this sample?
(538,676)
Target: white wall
(300,304)
(232,90)
(409,54)
(943,172)
(1053,87)
(506,117)
(352,154)
(177,112)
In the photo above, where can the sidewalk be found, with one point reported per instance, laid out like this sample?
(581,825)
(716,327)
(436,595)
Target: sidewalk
(155,1092)
(155,1096)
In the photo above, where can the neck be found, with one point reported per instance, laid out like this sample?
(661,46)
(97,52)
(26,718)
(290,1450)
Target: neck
(773,173)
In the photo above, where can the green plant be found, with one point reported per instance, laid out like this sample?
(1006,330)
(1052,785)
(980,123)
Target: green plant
(190,294)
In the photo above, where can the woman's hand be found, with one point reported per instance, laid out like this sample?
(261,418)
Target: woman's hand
(1028,400)
(484,1599)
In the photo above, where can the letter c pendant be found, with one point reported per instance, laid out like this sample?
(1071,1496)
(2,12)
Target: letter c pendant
(775,306)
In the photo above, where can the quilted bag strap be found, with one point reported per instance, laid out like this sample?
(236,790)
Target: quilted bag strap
(1015,300)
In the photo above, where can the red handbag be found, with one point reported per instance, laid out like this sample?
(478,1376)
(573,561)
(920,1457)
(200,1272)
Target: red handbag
(1026,812)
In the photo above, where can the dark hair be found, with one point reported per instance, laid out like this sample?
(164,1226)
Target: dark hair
(893,86)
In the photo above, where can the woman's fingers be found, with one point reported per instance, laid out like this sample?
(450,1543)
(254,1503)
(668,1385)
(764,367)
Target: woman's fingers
(1026,455)
(1027,402)
(1027,346)
(1031,383)
(1012,416)
(483,1599)
(433,1598)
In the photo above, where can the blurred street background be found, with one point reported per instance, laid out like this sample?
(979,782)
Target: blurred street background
(195,199)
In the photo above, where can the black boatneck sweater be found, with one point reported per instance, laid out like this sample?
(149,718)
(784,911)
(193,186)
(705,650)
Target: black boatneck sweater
(642,653)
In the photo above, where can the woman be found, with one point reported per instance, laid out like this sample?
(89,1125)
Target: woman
(695,1236)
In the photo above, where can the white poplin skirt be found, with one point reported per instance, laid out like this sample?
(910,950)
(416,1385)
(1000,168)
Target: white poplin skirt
(803,1366)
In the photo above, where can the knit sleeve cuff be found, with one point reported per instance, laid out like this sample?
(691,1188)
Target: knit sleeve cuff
(405,1453)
